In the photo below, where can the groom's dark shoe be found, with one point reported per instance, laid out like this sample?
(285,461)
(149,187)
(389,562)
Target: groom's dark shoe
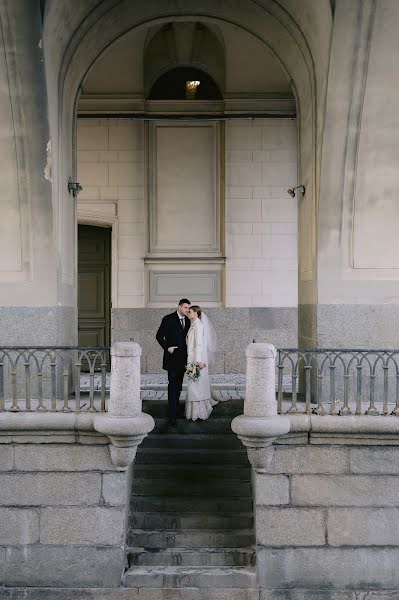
(172,423)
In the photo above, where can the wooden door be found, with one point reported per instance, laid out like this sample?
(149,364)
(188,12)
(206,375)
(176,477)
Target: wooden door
(94,285)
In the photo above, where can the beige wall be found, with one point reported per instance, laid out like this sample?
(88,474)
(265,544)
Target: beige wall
(111,170)
(261,219)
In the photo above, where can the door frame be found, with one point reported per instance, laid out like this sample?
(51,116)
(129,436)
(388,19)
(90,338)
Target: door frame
(107,222)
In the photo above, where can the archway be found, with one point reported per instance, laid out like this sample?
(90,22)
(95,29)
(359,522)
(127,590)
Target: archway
(269,24)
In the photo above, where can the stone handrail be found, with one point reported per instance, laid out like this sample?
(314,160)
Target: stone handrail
(125,425)
(264,419)
(260,424)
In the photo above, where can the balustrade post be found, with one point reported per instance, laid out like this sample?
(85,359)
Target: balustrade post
(260,424)
(125,424)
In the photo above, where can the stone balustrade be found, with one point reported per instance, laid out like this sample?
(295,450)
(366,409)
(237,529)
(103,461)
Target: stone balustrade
(65,482)
(326,495)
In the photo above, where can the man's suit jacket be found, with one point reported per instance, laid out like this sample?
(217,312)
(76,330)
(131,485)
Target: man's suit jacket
(171,333)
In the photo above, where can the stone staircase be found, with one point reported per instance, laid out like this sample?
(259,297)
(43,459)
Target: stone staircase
(191,518)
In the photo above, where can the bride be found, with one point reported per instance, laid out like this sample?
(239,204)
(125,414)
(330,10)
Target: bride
(201,348)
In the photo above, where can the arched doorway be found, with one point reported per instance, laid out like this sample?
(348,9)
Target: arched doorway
(275,35)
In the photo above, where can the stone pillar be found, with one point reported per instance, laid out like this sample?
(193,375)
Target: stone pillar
(124,398)
(38,302)
(356,303)
(125,424)
(260,424)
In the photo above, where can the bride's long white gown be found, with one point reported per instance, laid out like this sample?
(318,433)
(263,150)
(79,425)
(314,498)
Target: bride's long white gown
(199,402)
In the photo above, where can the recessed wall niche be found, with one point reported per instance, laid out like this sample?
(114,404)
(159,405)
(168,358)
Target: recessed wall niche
(184,196)
(184,171)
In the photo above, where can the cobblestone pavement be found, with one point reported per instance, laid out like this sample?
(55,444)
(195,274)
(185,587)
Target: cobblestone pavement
(217,394)
(154,385)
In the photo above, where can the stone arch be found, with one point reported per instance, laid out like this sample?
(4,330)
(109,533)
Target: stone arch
(269,22)
(182,44)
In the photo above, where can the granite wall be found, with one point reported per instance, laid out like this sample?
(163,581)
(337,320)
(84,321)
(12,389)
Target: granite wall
(327,513)
(62,512)
(348,325)
(235,328)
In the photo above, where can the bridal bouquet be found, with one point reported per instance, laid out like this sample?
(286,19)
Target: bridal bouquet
(193,371)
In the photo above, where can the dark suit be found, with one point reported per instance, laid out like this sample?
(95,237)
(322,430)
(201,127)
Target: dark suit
(171,333)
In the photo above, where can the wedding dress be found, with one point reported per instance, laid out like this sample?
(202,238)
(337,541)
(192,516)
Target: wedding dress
(201,344)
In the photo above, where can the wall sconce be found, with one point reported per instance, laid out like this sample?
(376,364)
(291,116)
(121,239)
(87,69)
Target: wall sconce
(291,191)
(74,187)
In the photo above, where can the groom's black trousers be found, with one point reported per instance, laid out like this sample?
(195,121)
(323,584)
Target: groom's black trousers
(175,383)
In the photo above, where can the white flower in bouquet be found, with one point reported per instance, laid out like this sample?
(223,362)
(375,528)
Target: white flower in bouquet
(193,371)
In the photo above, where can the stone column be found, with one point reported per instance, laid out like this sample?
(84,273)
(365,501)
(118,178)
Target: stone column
(37,303)
(355,304)
(125,424)
(260,424)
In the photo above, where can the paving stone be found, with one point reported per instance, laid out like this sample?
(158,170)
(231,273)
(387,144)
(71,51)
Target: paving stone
(339,568)
(47,489)
(207,577)
(115,488)
(67,566)
(191,594)
(18,526)
(212,538)
(290,526)
(363,526)
(374,460)
(91,526)
(327,594)
(57,457)
(341,490)
(6,458)
(212,557)
(306,459)
(271,489)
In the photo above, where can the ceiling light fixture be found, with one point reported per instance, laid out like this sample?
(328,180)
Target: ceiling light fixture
(191,89)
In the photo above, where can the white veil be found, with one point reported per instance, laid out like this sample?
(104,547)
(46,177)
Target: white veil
(211,340)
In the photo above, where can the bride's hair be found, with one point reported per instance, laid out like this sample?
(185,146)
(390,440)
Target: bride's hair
(196,309)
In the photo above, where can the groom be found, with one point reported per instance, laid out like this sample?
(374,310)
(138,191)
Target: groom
(171,335)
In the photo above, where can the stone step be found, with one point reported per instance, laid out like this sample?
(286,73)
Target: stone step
(188,557)
(157,521)
(184,577)
(195,487)
(177,504)
(186,472)
(226,408)
(211,425)
(195,456)
(174,441)
(191,538)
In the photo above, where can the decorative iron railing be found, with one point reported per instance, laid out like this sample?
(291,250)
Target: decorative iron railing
(338,381)
(47,378)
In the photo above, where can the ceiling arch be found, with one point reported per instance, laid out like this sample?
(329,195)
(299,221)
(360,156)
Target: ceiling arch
(180,44)
(298,34)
